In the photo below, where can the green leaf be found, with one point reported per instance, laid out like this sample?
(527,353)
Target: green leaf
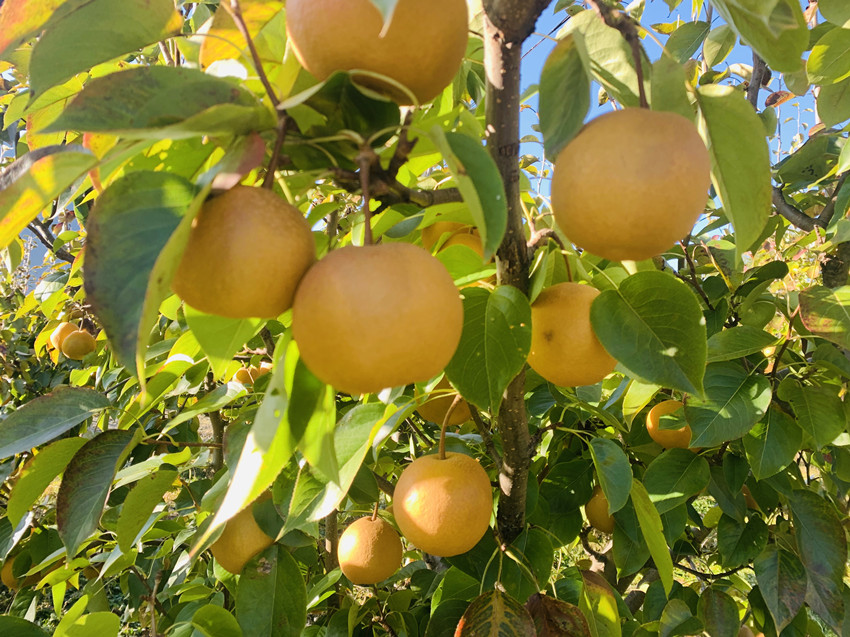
(86,484)
(818,410)
(315,495)
(653,533)
(653,325)
(834,103)
(677,619)
(607,56)
(445,617)
(214,621)
(738,342)
(479,182)
(734,401)
(836,11)
(775,30)
(494,614)
(669,88)
(163,102)
(772,444)
(493,346)
(128,232)
(564,96)
(674,477)
(109,28)
(829,61)
(718,613)
(822,546)
(221,338)
(19,627)
(826,313)
(613,471)
(102,624)
(686,40)
(219,397)
(740,161)
(38,474)
(29,185)
(272,601)
(140,503)
(740,543)
(718,45)
(47,417)
(598,602)
(782,581)
(630,550)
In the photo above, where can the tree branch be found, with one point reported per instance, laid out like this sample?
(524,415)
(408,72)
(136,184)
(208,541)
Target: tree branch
(502,58)
(232,7)
(757,79)
(828,211)
(389,191)
(485,435)
(43,234)
(794,214)
(515,19)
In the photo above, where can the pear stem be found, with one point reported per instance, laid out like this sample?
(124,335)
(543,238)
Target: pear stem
(365,162)
(375,511)
(445,426)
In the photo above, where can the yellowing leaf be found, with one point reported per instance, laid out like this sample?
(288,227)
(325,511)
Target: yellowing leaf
(223,40)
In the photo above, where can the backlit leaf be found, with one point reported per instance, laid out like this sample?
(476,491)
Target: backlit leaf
(651,527)
(23,19)
(599,604)
(740,341)
(224,41)
(740,161)
(215,621)
(29,185)
(564,96)
(555,618)
(829,61)
(613,471)
(221,338)
(686,40)
(834,103)
(494,614)
(653,325)
(775,30)
(674,477)
(718,45)
(47,417)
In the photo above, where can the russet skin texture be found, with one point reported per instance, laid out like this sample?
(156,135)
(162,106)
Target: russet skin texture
(596,511)
(667,438)
(422,49)
(564,349)
(367,318)
(631,183)
(369,551)
(247,252)
(443,507)
(241,540)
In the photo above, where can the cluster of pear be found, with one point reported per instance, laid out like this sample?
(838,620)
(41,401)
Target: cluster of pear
(249,375)
(627,187)
(73,342)
(441,505)
(596,509)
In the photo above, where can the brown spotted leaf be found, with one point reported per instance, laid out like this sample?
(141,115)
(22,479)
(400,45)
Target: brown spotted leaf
(554,618)
(826,313)
(778,97)
(493,614)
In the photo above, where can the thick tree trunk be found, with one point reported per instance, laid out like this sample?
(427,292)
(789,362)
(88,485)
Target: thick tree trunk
(506,25)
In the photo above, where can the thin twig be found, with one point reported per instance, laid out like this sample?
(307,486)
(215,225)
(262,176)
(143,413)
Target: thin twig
(365,162)
(235,12)
(176,443)
(694,279)
(445,426)
(756,80)
(828,211)
(147,586)
(709,576)
(271,169)
(389,191)
(485,435)
(166,54)
(403,148)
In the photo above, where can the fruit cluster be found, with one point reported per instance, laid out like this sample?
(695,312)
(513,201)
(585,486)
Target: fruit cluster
(72,341)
